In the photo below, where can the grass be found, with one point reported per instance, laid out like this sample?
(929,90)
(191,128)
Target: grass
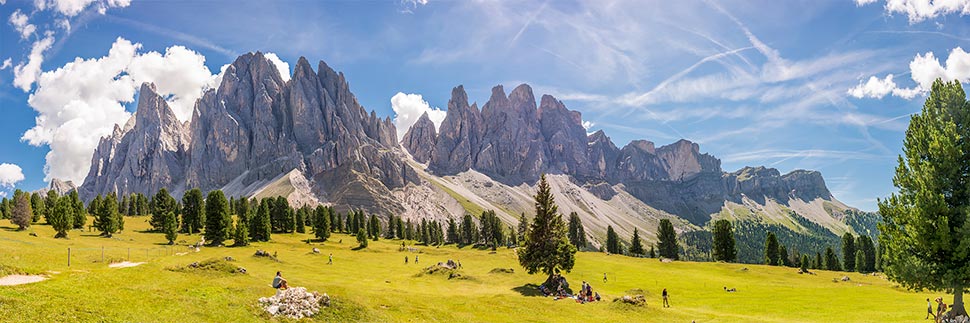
(375,285)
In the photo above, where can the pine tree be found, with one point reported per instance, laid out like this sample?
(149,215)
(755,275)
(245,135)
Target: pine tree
(4,208)
(771,250)
(170,226)
(362,238)
(636,247)
(523,229)
(804,264)
(321,223)
(244,216)
(667,240)
(50,202)
(864,243)
(162,203)
(653,254)
(218,221)
(400,228)
(22,212)
(94,206)
(831,260)
(261,227)
(119,218)
(613,241)
(409,231)
(577,234)
(59,215)
(38,207)
(107,217)
(848,251)
(547,248)
(452,231)
(783,256)
(723,242)
(375,227)
(77,210)
(860,260)
(467,230)
(818,263)
(925,225)
(193,211)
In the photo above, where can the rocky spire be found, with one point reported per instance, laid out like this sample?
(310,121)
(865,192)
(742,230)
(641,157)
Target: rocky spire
(420,139)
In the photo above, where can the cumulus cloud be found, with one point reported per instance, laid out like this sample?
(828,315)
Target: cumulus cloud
(72,8)
(26,73)
(408,108)
(281,66)
(80,102)
(919,10)
(10,174)
(924,69)
(19,21)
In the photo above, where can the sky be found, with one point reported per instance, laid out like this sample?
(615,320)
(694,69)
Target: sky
(820,85)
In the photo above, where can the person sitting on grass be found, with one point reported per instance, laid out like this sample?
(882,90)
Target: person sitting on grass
(279,282)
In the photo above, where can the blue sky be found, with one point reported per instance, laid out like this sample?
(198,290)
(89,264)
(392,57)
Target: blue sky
(823,85)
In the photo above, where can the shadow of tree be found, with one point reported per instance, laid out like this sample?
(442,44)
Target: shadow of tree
(529,290)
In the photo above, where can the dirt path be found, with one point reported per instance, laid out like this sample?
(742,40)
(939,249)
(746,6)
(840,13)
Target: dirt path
(13,280)
(125,264)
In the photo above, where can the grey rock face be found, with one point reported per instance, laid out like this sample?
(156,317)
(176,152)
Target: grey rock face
(459,136)
(565,139)
(254,128)
(148,155)
(602,154)
(61,187)
(511,148)
(420,139)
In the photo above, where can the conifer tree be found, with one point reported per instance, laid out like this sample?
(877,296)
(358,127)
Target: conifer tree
(106,220)
(59,215)
(848,251)
(636,247)
(218,222)
(77,210)
(771,250)
(667,240)
(50,202)
(321,223)
(38,207)
(613,241)
(577,234)
(244,216)
(362,238)
(162,203)
(547,248)
(723,245)
(170,226)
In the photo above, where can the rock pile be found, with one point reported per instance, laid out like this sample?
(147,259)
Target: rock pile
(295,303)
(635,300)
(948,318)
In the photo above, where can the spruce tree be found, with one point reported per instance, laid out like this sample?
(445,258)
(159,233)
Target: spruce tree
(38,207)
(362,238)
(321,223)
(523,229)
(636,247)
(613,241)
(170,226)
(4,208)
(860,261)
(107,217)
(59,216)
(50,202)
(94,205)
(193,211)
(831,260)
(925,229)
(375,227)
(547,248)
(119,217)
(467,230)
(667,240)
(804,264)
(217,218)
(783,259)
(771,250)
(244,216)
(577,234)
(452,231)
(818,263)
(162,203)
(22,213)
(848,251)
(409,231)
(723,242)
(78,211)
(653,254)
(261,227)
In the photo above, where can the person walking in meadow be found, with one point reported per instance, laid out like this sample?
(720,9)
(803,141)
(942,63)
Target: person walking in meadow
(604,277)
(330,262)
(666,296)
(415,258)
(405,260)
(929,309)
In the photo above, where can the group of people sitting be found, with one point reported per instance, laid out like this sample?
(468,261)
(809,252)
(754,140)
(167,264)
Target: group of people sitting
(586,294)
(730,290)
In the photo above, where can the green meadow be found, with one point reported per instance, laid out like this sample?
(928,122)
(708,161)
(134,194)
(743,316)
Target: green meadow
(375,285)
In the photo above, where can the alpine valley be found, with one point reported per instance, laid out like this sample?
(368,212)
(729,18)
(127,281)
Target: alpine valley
(309,139)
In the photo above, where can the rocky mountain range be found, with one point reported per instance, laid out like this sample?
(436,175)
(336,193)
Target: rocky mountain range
(310,140)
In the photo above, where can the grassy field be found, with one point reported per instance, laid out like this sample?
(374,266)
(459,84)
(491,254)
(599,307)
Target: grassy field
(374,285)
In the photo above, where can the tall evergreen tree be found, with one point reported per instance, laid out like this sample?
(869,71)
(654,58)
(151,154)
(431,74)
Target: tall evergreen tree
(119,218)
(409,231)
(723,242)
(375,227)
(452,231)
(78,211)
(4,208)
(547,248)
(636,247)
(613,241)
(467,230)
(860,261)
(37,205)
(818,263)
(783,256)
(170,227)
(300,220)
(577,234)
(193,211)
(243,218)
(864,244)
(667,240)
(218,222)
(362,238)
(162,203)
(261,227)
(523,229)
(21,213)
(831,260)
(653,254)
(94,205)
(107,218)
(59,215)
(925,229)
(805,263)
(848,251)
(771,249)
(50,202)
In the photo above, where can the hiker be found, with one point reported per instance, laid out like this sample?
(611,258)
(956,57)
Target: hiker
(604,277)
(405,260)
(940,308)
(665,296)
(731,290)
(279,282)
(330,262)
(929,309)
(415,258)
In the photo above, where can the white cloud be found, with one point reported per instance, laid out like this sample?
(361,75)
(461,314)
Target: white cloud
(80,102)
(281,66)
(64,24)
(26,74)
(2,194)
(919,10)
(408,108)
(19,21)
(10,174)
(924,70)
(6,64)
(71,8)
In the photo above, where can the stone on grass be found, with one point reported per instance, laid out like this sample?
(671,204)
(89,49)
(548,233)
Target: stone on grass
(295,303)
